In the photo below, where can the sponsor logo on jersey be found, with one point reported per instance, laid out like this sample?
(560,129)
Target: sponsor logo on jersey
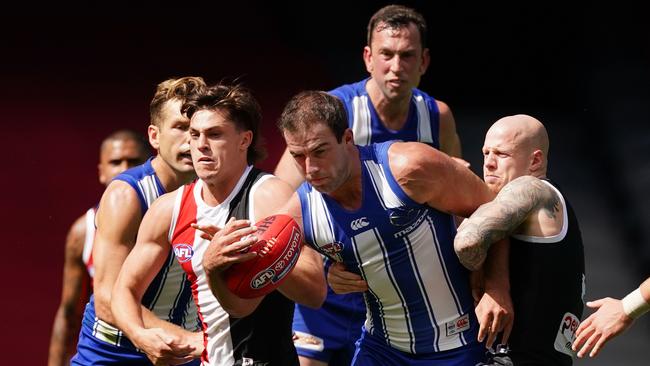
(413,221)
(403,216)
(333,250)
(359,223)
(458,325)
(566,334)
(183,252)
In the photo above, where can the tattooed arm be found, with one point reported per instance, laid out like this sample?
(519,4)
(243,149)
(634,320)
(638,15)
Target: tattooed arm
(495,220)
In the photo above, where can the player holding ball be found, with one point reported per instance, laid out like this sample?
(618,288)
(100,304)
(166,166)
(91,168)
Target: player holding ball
(230,193)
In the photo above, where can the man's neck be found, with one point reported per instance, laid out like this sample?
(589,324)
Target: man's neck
(392,112)
(169,178)
(216,190)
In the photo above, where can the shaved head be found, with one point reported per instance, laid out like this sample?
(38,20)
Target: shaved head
(525,131)
(514,146)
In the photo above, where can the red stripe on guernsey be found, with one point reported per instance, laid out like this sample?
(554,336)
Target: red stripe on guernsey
(184,234)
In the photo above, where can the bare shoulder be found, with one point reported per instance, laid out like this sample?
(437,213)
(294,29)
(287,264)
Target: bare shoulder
(532,192)
(411,160)
(119,196)
(76,235)
(271,197)
(443,108)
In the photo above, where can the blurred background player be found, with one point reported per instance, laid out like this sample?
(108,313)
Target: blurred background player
(386,106)
(118,152)
(167,303)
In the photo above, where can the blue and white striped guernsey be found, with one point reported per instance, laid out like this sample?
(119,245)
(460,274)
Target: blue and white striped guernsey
(169,296)
(422,124)
(419,299)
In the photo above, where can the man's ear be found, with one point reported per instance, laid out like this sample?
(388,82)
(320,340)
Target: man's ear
(154,134)
(348,137)
(247,139)
(367,58)
(537,161)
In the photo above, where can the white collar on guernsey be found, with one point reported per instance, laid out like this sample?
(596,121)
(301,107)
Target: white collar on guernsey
(554,238)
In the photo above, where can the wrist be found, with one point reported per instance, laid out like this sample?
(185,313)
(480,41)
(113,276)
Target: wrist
(634,305)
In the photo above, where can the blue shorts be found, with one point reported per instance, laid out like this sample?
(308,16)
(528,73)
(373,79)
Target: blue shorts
(93,351)
(372,351)
(329,334)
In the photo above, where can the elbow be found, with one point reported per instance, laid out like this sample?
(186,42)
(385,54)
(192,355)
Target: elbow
(469,254)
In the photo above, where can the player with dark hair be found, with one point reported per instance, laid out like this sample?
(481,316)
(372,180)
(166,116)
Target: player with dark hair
(386,212)
(224,130)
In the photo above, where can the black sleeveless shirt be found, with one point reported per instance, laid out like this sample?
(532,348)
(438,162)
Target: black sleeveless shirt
(546,279)
(264,336)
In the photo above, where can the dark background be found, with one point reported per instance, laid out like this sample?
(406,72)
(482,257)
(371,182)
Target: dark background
(72,76)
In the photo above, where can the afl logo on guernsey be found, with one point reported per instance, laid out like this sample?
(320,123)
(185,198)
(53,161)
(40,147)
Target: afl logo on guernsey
(183,252)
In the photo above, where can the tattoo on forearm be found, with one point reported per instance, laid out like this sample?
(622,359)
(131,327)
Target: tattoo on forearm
(498,219)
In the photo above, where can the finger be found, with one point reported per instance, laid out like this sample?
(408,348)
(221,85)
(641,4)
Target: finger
(596,303)
(209,229)
(584,349)
(483,328)
(601,342)
(589,344)
(207,236)
(240,233)
(491,336)
(234,224)
(244,245)
(506,331)
(583,326)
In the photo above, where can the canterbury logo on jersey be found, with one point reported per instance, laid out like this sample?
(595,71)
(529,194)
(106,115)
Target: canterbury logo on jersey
(359,223)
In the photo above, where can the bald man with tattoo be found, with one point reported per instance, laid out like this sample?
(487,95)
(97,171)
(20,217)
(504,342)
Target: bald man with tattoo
(546,251)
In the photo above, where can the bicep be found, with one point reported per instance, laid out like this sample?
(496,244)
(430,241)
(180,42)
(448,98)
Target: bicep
(151,249)
(118,218)
(428,176)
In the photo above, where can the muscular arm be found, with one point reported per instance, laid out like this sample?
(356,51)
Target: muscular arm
(433,178)
(497,219)
(118,220)
(306,282)
(429,176)
(449,139)
(74,294)
(139,269)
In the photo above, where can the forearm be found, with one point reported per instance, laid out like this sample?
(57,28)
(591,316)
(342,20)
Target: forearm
(64,333)
(306,283)
(476,235)
(129,313)
(496,268)
(234,305)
